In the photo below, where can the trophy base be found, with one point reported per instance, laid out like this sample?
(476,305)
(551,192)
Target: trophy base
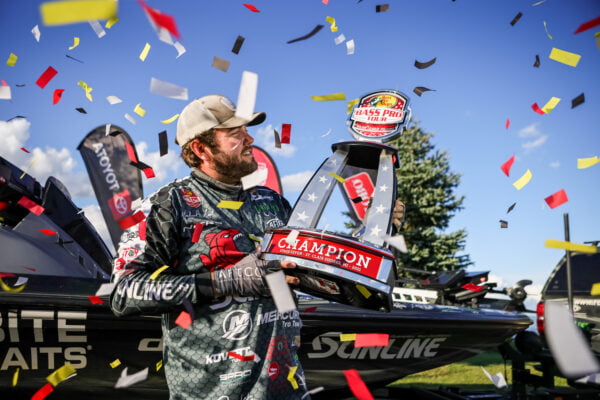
(335,268)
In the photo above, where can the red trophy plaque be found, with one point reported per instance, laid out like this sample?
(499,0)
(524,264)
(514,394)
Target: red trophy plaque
(359,269)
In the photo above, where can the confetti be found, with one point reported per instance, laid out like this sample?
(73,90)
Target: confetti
(331,21)
(537,61)
(364,291)
(538,3)
(251,8)
(583,163)
(180,49)
(43,392)
(350,47)
(12,60)
(547,33)
(247,95)
(588,25)
(537,109)
(550,105)
(357,385)
(372,339)
(159,365)
(516,19)
(286,133)
(578,101)
(100,32)
(75,43)
(130,118)
(310,309)
(237,46)
(15,289)
(145,52)
(280,291)
(111,22)
(71,12)
(24,149)
(157,272)
(87,88)
(420,89)
(397,242)
(594,292)
(163,143)
(507,165)
(95,300)
(115,363)
(220,64)
(128,380)
(382,7)
(57,95)
(36,33)
(498,379)
(184,320)
(329,97)
(132,220)
(240,357)
(170,120)
(62,373)
(337,177)
(512,206)
(113,100)
(15,378)
(507,124)
(167,89)
(230,204)
(5,93)
(351,105)
(46,77)
(564,57)
(73,58)
(425,64)
(580,248)
(105,289)
(347,337)
(30,205)
(81,110)
(523,180)
(139,110)
(339,39)
(197,232)
(556,199)
(503,224)
(291,378)
(307,36)
(164,21)
(277,139)
(472,287)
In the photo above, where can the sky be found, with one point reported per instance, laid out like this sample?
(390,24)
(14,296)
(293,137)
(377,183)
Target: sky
(483,76)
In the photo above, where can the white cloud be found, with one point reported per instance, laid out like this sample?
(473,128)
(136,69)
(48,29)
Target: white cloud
(555,164)
(295,182)
(265,139)
(535,143)
(530,131)
(164,167)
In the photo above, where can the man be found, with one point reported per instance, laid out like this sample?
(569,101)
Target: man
(238,346)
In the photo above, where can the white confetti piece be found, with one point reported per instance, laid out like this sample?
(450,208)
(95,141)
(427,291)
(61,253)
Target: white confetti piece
(350,47)
(100,32)
(247,95)
(113,100)
(128,380)
(180,49)
(5,93)
(130,118)
(398,242)
(21,281)
(340,39)
(292,237)
(498,380)
(282,296)
(105,289)
(167,89)
(36,33)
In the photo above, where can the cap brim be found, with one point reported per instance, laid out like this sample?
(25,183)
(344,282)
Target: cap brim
(234,122)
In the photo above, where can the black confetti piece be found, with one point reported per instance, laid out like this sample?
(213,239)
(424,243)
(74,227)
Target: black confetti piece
(537,61)
(512,206)
(516,19)
(423,65)
(73,58)
(310,34)
(578,100)
(163,143)
(503,224)
(238,45)
(420,89)
(382,8)
(81,110)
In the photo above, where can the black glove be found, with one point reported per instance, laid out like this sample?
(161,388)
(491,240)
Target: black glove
(246,278)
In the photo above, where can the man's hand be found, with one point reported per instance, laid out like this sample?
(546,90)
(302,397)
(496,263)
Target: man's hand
(398,214)
(246,278)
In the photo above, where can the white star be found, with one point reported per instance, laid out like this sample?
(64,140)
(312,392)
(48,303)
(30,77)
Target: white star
(380,209)
(312,197)
(323,179)
(333,161)
(302,216)
(383,188)
(375,231)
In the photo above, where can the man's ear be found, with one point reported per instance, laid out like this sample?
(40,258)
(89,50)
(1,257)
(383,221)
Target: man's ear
(201,150)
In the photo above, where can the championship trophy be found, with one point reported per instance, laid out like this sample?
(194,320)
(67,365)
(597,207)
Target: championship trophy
(357,269)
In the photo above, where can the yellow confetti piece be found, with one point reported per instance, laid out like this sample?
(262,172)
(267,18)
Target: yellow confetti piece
(88,89)
(580,248)
(595,289)
(364,291)
(523,180)
(12,60)
(547,33)
(15,378)
(333,27)
(139,110)
(115,363)
(9,289)
(61,374)
(549,106)
(337,177)
(145,52)
(351,105)
(347,337)
(583,163)
(255,238)
(329,97)
(168,121)
(291,378)
(75,43)
(159,365)
(109,24)
(70,12)
(29,166)
(564,57)
(234,205)
(155,274)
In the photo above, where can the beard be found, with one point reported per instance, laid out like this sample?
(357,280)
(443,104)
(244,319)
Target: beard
(232,166)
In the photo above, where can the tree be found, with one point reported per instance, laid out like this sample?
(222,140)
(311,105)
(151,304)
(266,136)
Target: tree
(426,186)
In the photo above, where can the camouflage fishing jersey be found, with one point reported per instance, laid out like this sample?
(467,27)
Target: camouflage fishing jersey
(236,347)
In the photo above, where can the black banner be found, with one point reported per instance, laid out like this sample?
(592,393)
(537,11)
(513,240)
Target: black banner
(116,182)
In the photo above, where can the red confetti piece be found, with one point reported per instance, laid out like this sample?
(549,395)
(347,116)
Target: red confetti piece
(184,320)
(30,205)
(310,309)
(47,232)
(131,152)
(371,339)
(588,25)
(57,95)
(251,8)
(197,231)
(507,165)
(286,132)
(95,300)
(149,172)
(6,275)
(46,77)
(357,385)
(163,20)
(472,287)
(557,199)
(24,149)
(130,221)
(507,125)
(537,109)
(142,230)
(241,357)
(43,392)
(31,269)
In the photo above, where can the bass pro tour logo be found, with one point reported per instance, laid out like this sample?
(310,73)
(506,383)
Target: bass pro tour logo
(379,116)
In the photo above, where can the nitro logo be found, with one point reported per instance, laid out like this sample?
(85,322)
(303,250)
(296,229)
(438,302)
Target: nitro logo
(106,167)
(418,347)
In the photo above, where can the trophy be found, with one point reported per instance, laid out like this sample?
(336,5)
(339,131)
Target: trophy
(357,269)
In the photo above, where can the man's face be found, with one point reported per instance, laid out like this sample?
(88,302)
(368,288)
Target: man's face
(232,156)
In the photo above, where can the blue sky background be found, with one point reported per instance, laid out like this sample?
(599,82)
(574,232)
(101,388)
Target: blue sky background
(484,74)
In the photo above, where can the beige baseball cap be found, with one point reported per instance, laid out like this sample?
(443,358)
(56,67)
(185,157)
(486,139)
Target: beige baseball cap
(212,111)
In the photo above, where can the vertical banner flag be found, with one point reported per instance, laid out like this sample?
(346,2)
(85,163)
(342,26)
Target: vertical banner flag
(264,161)
(116,182)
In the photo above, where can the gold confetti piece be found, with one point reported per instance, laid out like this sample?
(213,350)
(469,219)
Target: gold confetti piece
(87,88)
(564,57)
(233,205)
(75,43)
(109,24)
(595,289)
(337,177)
(347,337)
(364,291)
(291,378)
(547,33)
(580,248)
(221,63)
(255,238)
(61,374)
(333,27)
(549,106)
(115,363)
(145,52)
(170,120)
(583,163)
(351,105)
(159,365)
(29,167)
(155,274)
(15,378)
(329,97)
(139,110)
(523,180)
(12,60)
(70,12)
